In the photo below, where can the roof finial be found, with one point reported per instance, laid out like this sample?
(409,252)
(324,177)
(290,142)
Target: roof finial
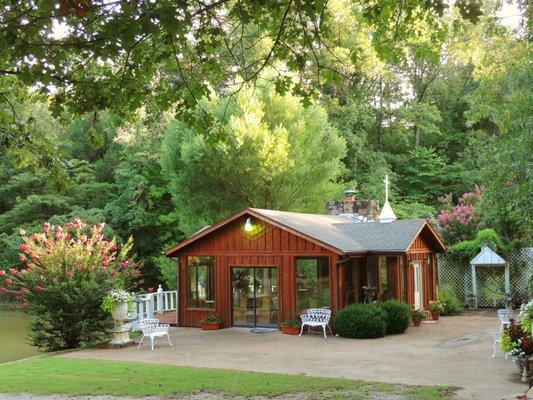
(387,214)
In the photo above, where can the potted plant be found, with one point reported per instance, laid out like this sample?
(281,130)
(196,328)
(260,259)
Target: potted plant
(290,327)
(211,323)
(118,303)
(418,316)
(436,308)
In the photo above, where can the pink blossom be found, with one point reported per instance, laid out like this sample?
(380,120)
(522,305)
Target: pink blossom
(39,288)
(3,289)
(2,272)
(70,274)
(114,273)
(151,289)
(77,224)
(14,271)
(113,246)
(9,281)
(46,226)
(24,248)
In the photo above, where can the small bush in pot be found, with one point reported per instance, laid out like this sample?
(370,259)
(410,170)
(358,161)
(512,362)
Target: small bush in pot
(418,316)
(361,321)
(398,316)
(436,308)
(211,323)
(290,327)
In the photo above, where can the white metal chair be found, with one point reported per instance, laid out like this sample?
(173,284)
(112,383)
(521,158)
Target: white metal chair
(316,317)
(496,338)
(152,329)
(504,315)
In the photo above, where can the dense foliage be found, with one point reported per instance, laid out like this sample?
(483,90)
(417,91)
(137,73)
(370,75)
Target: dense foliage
(67,273)
(398,316)
(160,118)
(361,321)
(450,302)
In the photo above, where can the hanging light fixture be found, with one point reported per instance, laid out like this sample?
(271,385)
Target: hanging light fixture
(248,227)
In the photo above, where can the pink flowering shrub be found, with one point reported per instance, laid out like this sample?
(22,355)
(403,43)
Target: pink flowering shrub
(460,222)
(67,273)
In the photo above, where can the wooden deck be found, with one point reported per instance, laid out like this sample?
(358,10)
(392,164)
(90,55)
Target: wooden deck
(168,317)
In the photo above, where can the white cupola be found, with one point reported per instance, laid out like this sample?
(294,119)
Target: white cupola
(387,214)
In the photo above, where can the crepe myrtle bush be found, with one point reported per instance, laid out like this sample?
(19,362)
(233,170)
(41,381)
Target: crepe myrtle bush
(361,321)
(67,271)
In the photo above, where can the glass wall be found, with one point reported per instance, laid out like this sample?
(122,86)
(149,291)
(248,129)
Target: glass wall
(201,282)
(382,290)
(312,283)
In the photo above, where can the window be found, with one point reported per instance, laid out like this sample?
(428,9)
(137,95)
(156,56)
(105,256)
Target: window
(382,263)
(403,280)
(201,282)
(312,283)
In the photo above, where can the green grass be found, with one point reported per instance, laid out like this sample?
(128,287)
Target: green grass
(57,375)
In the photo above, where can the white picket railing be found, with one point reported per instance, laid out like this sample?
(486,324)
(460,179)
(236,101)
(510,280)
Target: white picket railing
(149,304)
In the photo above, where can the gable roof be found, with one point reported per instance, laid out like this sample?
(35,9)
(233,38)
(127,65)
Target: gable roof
(337,233)
(487,256)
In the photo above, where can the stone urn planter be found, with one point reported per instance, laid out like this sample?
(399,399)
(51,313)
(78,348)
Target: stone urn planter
(116,303)
(120,332)
(525,368)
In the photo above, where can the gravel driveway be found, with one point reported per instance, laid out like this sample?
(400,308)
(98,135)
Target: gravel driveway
(455,351)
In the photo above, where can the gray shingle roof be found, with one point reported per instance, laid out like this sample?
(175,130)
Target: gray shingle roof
(347,235)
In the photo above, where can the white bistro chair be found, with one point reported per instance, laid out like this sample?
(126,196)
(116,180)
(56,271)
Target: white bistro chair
(152,329)
(316,317)
(504,315)
(496,339)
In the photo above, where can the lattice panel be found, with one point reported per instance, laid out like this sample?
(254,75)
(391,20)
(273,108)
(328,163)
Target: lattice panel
(490,281)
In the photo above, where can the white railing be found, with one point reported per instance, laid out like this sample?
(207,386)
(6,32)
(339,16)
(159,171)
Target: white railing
(149,304)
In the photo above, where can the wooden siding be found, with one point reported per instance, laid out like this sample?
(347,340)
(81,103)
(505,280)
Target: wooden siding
(269,247)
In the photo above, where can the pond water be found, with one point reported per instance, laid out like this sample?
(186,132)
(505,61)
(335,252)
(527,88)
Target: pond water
(13,342)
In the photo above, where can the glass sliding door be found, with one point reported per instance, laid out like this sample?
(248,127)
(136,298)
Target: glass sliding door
(255,296)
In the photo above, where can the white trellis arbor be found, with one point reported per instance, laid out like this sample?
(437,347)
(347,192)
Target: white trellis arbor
(488,258)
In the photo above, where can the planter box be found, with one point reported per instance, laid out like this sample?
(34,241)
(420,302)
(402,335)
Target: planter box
(290,330)
(210,326)
(417,321)
(435,315)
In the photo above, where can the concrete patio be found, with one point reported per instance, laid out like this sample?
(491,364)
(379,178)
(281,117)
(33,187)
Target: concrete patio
(456,351)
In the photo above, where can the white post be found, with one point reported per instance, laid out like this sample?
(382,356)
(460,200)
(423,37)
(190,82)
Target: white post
(160,300)
(150,306)
(474,286)
(507,280)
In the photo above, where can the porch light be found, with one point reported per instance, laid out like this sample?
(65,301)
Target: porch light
(248,227)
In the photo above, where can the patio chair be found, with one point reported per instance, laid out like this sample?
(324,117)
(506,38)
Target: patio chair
(496,338)
(152,329)
(316,317)
(504,315)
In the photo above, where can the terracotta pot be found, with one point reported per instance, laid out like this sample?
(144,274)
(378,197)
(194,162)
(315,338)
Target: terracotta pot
(435,315)
(290,330)
(417,321)
(210,326)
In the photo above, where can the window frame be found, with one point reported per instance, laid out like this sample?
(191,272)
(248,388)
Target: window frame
(194,262)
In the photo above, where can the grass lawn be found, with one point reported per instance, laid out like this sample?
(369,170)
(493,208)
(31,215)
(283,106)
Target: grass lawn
(57,375)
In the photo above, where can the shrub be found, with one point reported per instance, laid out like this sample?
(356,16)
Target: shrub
(451,304)
(398,315)
(68,272)
(361,321)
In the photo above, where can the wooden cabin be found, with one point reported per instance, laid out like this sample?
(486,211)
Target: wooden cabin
(262,267)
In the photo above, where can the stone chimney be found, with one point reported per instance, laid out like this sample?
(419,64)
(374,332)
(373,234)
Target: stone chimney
(363,209)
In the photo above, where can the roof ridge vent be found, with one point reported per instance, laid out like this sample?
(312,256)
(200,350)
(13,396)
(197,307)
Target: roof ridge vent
(387,214)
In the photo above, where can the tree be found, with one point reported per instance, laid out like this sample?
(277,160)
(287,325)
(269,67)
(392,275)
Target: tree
(100,54)
(264,150)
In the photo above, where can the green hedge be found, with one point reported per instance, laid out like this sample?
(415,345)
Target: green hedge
(398,316)
(361,321)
